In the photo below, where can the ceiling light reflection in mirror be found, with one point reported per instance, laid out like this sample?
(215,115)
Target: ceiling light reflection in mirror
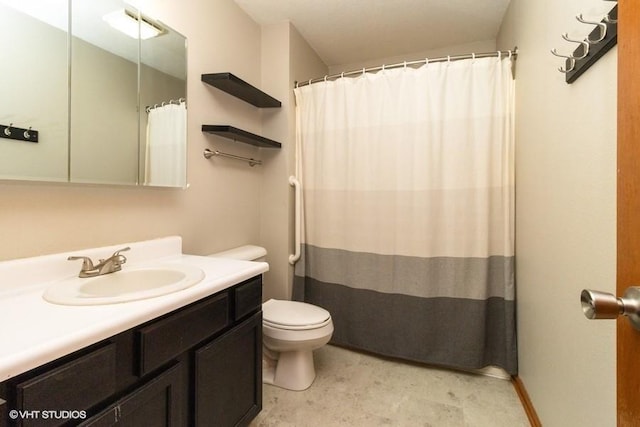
(128,23)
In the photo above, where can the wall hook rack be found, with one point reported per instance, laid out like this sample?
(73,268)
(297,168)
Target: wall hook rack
(19,134)
(594,45)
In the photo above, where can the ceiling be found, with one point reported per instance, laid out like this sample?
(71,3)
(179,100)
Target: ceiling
(350,31)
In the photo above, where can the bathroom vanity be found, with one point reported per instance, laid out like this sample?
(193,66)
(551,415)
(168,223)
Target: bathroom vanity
(194,360)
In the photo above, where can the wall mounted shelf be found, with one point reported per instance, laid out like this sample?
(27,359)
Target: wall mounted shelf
(237,87)
(240,135)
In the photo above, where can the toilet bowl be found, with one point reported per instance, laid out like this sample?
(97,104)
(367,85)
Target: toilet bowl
(291,331)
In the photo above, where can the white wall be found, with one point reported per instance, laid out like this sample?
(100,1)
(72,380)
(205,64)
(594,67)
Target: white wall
(286,57)
(274,216)
(565,214)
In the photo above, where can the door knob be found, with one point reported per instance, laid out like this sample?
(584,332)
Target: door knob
(603,305)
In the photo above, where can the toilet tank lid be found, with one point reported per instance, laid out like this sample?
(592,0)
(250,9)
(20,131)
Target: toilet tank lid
(247,252)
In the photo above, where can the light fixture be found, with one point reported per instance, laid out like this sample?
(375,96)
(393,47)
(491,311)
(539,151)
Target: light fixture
(128,23)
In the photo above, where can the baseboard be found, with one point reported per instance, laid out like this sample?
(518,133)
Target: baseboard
(526,401)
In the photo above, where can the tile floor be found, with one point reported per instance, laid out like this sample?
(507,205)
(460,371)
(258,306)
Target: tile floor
(358,389)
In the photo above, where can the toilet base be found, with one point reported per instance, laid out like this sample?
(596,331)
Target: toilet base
(292,370)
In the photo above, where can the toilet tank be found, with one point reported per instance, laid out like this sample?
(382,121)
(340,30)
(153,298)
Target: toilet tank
(247,253)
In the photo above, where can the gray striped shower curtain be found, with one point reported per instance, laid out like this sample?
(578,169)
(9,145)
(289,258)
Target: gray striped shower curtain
(408,211)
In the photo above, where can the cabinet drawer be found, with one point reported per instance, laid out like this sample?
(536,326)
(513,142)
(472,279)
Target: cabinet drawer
(77,385)
(248,297)
(165,339)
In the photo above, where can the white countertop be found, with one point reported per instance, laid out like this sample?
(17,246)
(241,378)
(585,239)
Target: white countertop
(34,331)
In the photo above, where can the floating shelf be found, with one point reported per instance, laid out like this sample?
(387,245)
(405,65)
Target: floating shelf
(237,87)
(236,134)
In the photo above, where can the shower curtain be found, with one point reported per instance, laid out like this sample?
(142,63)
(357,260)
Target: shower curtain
(408,211)
(166,148)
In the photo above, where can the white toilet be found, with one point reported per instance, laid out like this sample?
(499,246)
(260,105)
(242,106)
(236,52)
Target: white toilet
(291,331)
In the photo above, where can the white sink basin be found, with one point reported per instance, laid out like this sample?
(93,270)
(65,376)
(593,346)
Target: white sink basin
(129,284)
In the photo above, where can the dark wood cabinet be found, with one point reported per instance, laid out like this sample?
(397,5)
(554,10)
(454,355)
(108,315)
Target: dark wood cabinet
(198,365)
(80,383)
(229,377)
(154,404)
(246,297)
(3,413)
(165,339)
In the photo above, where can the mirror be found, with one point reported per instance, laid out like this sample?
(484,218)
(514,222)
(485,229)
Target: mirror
(163,113)
(113,113)
(35,89)
(104,92)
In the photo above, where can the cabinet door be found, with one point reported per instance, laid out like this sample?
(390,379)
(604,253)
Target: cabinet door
(228,377)
(77,385)
(3,413)
(155,404)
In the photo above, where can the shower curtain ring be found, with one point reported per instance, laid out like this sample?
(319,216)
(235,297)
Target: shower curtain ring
(7,130)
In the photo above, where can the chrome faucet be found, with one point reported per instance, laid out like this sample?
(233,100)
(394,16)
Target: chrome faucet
(104,266)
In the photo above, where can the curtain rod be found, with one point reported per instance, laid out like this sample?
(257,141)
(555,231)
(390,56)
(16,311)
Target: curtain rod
(513,53)
(171,101)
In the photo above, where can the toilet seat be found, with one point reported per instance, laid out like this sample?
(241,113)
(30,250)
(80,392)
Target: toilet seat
(294,315)
(296,328)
